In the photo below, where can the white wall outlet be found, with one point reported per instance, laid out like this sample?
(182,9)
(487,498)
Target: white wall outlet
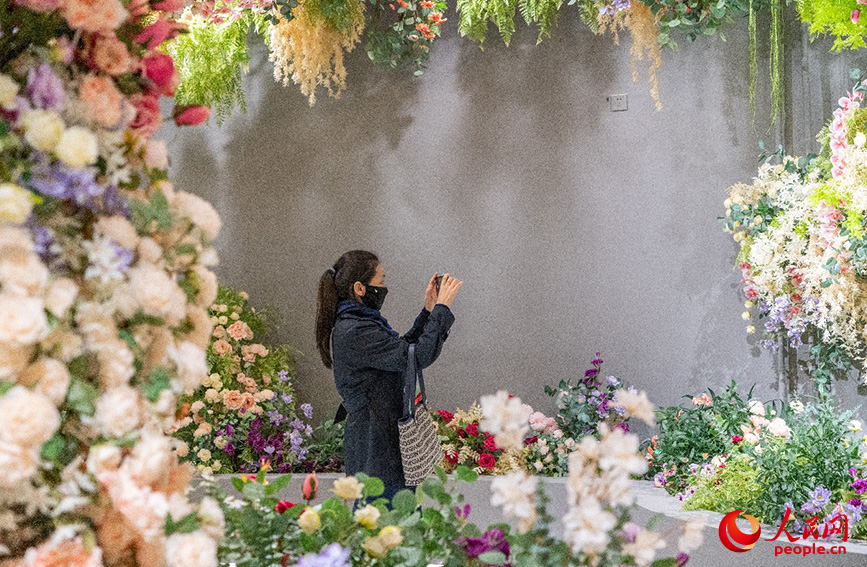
(618,102)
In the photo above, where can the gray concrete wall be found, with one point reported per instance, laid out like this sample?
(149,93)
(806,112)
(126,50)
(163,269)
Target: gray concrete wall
(575,229)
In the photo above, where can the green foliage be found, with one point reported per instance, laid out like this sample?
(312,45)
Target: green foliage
(833,18)
(820,452)
(393,40)
(695,434)
(25,29)
(694,18)
(732,487)
(211,58)
(475,15)
(325,448)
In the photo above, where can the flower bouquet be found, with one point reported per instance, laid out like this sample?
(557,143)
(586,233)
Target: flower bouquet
(243,414)
(464,443)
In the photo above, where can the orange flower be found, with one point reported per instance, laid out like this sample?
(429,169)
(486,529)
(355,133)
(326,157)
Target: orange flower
(233,399)
(403,4)
(436,18)
(391,6)
(423,28)
(426,4)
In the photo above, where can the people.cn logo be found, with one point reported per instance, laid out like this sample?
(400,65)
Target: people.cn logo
(730,534)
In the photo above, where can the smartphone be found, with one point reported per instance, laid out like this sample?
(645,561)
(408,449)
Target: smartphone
(439,281)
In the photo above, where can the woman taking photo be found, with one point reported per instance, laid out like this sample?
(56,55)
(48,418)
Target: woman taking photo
(369,358)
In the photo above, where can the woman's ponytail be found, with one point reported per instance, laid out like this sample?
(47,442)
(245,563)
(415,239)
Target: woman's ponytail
(326,314)
(336,284)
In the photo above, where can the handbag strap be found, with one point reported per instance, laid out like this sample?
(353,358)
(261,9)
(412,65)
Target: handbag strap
(412,373)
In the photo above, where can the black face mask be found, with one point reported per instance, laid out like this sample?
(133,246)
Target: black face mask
(374,297)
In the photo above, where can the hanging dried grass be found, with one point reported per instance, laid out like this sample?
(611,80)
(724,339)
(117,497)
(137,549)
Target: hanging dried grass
(308,49)
(642,25)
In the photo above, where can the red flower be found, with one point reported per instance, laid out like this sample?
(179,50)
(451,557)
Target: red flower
(445,416)
(531,440)
(490,444)
(452,457)
(191,115)
(473,429)
(283,505)
(737,438)
(487,461)
(462,433)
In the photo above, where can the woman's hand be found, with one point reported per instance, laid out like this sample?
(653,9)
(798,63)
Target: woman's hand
(430,294)
(448,289)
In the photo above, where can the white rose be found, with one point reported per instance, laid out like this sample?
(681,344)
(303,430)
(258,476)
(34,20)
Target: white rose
(8,92)
(150,251)
(118,229)
(43,129)
(191,363)
(208,258)
(27,418)
(207,286)
(77,147)
(157,293)
(182,449)
(116,363)
(103,458)
(118,412)
(860,140)
(60,296)
(191,550)
(201,212)
(49,377)
(756,407)
(22,273)
(15,203)
(796,406)
(23,321)
(17,463)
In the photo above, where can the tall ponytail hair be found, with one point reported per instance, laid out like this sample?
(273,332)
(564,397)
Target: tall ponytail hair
(335,285)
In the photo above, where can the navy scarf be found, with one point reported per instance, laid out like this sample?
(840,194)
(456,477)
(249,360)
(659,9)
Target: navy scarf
(361,310)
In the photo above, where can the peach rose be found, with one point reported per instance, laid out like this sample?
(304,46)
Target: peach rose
(148,118)
(247,401)
(110,55)
(233,399)
(102,99)
(94,15)
(239,330)
(222,347)
(65,553)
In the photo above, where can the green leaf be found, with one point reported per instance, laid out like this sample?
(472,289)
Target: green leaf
(253,491)
(158,380)
(492,558)
(188,524)
(5,387)
(278,484)
(53,448)
(667,562)
(82,396)
(466,474)
(238,483)
(674,23)
(373,487)
(404,502)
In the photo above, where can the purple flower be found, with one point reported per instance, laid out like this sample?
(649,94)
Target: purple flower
(855,502)
(630,531)
(623,426)
(681,559)
(612,381)
(284,376)
(332,556)
(79,185)
(860,486)
(296,424)
(591,372)
(269,449)
(124,255)
(287,398)
(308,430)
(308,410)
(819,498)
(659,480)
(45,88)
(276,418)
(693,468)
(854,472)
(229,449)
(463,513)
(492,540)
(853,512)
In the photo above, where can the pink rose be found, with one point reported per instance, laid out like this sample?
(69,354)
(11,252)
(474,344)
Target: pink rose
(102,99)
(855,15)
(157,157)
(171,5)
(191,115)
(239,330)
(157,33)
(102,16)
(44,6)
(147,119)
(160,69)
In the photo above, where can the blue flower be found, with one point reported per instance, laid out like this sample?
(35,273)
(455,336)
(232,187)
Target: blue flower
(283,375)
(287,398)
(308,410)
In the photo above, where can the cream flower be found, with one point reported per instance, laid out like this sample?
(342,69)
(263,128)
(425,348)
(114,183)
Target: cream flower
(778,427)
(151,459)
(515,493)
(373,546)
(49,377)
(191,550)
(15,203)
(27,418)
(211,515)
(693,535)
(22,273)
(643,549)
(42,129)
(367,516)
(13,359)
(635,405)
(157,294)
(201,212)
(118,412)
(118,229)
(23,321)
(390,537)
(77,147)
(506,418)
(103,458)
(756,407)
(60,296)
(348,488)
(191,364)
(204,455)
(207,286)
(309,521)
(8,92)
(796,406)
(18,464)
(587,526)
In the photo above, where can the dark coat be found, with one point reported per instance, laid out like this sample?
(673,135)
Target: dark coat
(369,363)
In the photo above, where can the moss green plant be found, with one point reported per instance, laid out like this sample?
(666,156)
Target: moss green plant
(732,487)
